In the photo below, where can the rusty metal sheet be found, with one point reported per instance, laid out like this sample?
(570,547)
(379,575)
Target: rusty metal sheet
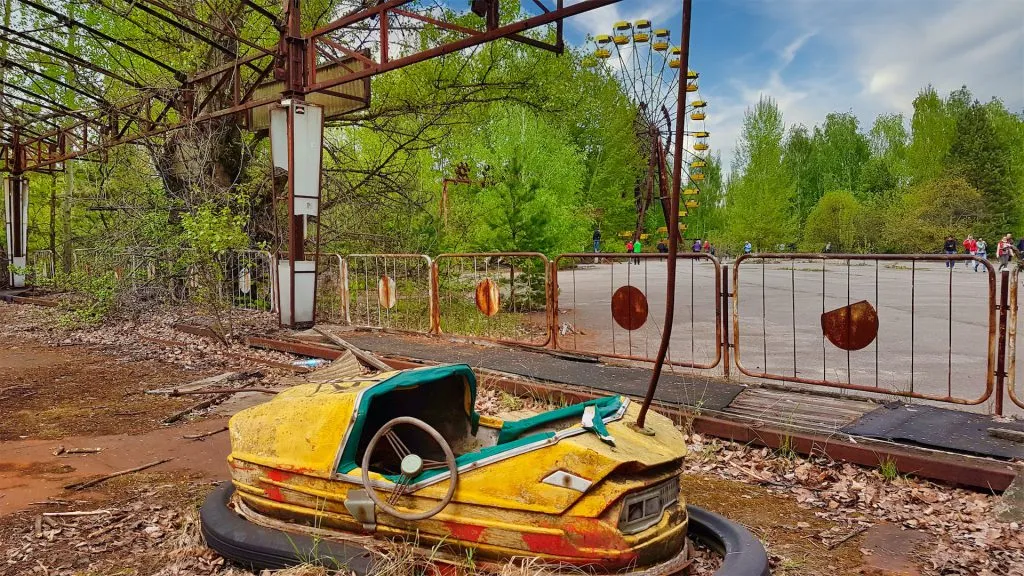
(487,299)
(851,327)
(629,307)
(387,292)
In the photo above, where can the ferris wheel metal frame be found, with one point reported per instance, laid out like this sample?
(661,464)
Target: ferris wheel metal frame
(646,65)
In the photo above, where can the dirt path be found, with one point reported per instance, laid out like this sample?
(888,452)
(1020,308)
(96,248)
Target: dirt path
(29,471)
(48,392)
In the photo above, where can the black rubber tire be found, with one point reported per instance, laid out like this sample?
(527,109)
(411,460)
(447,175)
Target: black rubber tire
(259,548)
(744,554)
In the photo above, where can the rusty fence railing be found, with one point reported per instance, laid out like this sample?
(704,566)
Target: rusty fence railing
(503,297)
(1013,370)
(616,308)
(331,296)
(917,326)
(388,291)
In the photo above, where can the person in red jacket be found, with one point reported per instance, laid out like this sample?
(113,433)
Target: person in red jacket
(970,247)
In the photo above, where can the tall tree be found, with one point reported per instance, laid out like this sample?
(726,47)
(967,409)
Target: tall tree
(760,200)
(802,162)
(983,158)
(932,129)
(842,151)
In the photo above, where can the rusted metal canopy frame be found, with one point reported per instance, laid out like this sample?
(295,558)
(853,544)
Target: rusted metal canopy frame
(548,296)
(553,16)
(825,258)
(386,9)
(579,256)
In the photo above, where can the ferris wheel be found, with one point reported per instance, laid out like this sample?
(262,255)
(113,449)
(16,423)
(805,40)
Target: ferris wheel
(647,66)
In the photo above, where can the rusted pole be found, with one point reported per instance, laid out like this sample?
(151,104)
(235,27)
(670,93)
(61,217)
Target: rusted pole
(1004,308)
(673,224)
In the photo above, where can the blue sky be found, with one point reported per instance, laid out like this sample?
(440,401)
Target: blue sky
(818,56)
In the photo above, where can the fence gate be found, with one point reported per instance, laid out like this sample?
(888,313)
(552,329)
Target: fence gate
(615,307)
(388,291)
(917,326)
(502,296)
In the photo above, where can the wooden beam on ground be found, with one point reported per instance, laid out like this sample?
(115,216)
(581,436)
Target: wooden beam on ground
(364,356)
(300,348)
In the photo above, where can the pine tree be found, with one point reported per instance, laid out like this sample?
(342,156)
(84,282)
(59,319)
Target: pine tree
(983,159)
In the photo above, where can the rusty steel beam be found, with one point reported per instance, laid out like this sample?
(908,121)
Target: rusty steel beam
(292,347)
(448,48)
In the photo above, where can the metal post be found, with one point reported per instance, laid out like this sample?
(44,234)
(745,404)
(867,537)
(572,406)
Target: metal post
(673,224)
(725,321)
(1004,308)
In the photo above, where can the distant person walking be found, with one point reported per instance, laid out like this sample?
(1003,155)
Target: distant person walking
(662,247)
(597,240)
(747,248)
(970,247)
(980,252)
(638,247)
(1004,250)
(828,248)
(949,247)
(697,245)
(707,246)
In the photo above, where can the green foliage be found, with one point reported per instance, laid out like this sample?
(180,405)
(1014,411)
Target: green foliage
(759,202)
(210,231)
(983,158)
(834,220)
(920,220)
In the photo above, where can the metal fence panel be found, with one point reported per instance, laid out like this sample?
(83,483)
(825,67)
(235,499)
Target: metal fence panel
(504,297)
(1015,322)
(388,291)
(615,307)
(40,266)
(249,281)
(918,326)
(330,289)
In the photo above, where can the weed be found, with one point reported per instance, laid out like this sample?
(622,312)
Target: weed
(511,402)
(888,469)
(786,449)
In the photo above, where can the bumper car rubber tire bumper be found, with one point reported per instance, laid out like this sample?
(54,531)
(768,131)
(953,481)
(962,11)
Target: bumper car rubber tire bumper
(257,547)
(743,553)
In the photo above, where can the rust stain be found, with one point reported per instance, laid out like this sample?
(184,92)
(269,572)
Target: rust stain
(629,307)
(387,293)
(487,297)
(851,327)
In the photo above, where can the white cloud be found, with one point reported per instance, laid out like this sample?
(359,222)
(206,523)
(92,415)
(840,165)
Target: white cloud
(886,52)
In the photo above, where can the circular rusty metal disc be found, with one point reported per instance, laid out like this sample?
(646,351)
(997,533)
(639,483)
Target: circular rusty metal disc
(629,307)
(387,293)
(487,297)
(851,327)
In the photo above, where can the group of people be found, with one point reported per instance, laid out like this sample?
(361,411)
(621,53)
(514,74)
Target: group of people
(1005,249)
(635,246)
